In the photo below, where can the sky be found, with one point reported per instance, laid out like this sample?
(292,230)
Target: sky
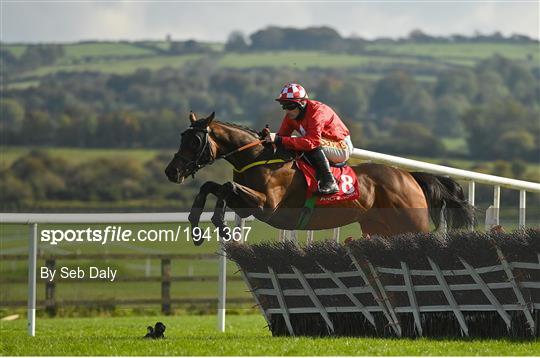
(71,21)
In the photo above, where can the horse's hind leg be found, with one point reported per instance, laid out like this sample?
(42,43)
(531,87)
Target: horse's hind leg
(239,198)
(394,221)
(243,200)
(373,226)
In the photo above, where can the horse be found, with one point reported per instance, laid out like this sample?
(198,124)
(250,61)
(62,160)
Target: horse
(268,185)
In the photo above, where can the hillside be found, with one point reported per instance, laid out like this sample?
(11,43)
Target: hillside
(371,62)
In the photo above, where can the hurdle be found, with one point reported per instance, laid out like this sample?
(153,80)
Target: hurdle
(458,284)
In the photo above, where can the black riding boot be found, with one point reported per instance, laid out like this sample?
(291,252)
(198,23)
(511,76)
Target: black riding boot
(326,181)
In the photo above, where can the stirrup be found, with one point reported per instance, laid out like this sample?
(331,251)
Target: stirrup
(332,188)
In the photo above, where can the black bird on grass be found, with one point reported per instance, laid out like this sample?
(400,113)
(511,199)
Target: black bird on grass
(156,331)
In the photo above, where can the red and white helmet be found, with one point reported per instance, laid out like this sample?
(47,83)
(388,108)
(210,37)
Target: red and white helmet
(293,92)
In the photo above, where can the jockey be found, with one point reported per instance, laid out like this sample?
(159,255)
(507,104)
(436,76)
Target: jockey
(323,136)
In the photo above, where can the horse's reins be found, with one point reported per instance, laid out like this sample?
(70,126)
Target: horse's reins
(196,165)
(237,150)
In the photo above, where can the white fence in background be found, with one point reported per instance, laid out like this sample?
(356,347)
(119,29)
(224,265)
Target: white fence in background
(472,177)
(113,218)
(492,215)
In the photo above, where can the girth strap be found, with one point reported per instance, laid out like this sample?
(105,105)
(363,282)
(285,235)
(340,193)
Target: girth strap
(261,162)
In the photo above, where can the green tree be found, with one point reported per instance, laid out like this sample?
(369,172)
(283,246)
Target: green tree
(491,87)
(236,42)
(518,143)
(37,128)
(448,112)
(410,138)
(11,120)
(13,191)
(503,129)
(391,93)
(271,38)
(458,82)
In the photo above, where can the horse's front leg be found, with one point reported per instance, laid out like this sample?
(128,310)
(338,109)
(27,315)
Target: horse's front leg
(218,219)
(197,208)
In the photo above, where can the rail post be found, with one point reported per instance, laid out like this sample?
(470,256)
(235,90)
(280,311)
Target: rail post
(496,203)
(522,208)
(50,288)
(471,195)
(32,263)
(166,286)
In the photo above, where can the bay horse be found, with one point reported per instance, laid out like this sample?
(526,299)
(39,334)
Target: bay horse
(268,185)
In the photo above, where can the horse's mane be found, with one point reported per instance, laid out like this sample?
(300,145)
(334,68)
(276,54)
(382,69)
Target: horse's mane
(238,126)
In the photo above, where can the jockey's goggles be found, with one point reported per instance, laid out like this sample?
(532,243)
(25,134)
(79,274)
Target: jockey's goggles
(289,106)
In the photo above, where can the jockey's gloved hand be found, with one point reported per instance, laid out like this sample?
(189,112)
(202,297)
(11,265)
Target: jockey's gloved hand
(272,138)
(264,133)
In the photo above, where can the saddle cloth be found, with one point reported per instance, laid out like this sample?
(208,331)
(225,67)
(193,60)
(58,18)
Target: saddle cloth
(345,178)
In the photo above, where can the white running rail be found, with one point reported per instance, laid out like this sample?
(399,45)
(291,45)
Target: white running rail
(471,177)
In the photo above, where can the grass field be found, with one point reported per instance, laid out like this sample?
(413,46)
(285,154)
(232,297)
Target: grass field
(434,56)
(469,51)
(105,49)
(245,335)
(305,59)
(376,61)
(117,66)
(302,60)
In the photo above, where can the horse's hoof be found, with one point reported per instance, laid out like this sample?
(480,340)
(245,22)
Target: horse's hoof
(224,234)
(197,236)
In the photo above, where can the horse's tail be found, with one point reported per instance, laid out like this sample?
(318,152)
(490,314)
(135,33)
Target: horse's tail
(443,193)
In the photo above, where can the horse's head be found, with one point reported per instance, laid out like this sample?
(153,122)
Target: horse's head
(195,150)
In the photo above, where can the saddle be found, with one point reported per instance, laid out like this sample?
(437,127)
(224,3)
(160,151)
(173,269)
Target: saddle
(346,180)
(345,176)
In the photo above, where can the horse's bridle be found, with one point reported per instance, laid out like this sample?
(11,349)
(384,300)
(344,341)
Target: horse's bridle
(205,153)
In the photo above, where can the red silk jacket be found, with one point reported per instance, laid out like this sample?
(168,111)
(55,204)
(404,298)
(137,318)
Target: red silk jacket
(319,121)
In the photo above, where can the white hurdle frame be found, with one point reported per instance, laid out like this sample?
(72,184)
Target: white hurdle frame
(111,218)
(471,177)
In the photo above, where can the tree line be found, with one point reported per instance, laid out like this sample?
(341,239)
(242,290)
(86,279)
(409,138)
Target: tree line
(39,180)
(495,106)
(325,38)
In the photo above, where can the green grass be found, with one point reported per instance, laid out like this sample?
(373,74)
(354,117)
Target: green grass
(105,49)
(245,335)
(118,66)
(305,59)
(22,85)
(456,145)
(473,51)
